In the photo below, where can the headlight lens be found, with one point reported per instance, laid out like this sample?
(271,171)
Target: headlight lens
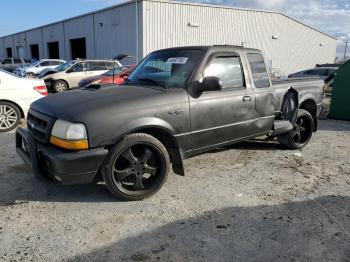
(69,135)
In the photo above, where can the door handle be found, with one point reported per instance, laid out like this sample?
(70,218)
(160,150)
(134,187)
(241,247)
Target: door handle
(247,99)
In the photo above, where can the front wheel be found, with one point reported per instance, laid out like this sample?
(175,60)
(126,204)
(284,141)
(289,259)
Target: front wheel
(301,133)
(137,167)
(60,86)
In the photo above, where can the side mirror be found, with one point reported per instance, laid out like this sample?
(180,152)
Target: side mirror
(211,83)
(70,70)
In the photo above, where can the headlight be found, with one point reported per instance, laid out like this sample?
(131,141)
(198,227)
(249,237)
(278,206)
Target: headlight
(69,135)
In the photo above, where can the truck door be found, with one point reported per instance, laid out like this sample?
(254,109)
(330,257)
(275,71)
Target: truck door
(264,93)
(221,117)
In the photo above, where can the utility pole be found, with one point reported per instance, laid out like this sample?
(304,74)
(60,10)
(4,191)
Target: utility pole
(346,48)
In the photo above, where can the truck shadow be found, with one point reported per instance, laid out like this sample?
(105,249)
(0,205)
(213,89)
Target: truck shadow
(334,125)
(311,230)
(27,188)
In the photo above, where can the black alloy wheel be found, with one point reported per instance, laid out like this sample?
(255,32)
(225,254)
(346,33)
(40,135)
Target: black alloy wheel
(137,167)
(301,133)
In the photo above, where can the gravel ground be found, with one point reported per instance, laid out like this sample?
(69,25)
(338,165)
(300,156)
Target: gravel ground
(249,202)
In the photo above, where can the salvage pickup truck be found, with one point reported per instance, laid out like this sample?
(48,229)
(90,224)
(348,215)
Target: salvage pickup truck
(177,103)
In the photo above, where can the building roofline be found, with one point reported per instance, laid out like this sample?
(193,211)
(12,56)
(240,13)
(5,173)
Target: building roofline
(74,17)
(242,9)
(169,2)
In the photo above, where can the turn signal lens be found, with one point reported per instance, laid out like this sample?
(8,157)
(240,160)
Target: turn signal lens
(69,144)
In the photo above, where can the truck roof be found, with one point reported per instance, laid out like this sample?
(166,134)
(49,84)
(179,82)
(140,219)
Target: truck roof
(207,47)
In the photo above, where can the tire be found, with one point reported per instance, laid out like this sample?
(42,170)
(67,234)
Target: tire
(301,134)
(60,86)
(137,167)
(10,116)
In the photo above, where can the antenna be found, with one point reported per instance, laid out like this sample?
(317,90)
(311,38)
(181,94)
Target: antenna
(346,48)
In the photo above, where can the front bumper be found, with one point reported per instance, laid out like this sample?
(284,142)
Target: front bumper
(54,164)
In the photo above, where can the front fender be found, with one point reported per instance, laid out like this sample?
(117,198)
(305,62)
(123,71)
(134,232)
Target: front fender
(140,124)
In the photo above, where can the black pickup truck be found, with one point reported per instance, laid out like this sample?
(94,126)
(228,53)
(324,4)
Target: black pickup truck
(177,103)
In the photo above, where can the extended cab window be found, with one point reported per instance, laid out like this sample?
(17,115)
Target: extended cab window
(258,68)
(228,69)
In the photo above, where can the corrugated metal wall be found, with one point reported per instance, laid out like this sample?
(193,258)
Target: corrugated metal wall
(108,33)
(116,31)
(53,33)
(8,43)
(298,47)
(81,27)
(35,37)
(2,48)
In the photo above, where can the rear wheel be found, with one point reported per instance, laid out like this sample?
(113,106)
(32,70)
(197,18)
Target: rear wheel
(10,116)
(301,133)
(60,86)
(137,167)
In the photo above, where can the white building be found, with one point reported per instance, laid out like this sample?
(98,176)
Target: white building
(140,26)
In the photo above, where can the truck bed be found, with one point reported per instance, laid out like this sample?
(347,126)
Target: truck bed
(307,88)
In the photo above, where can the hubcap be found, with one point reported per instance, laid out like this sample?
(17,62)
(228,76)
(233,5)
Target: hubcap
(302,130)
(8,117)
(138,169)
(60,87)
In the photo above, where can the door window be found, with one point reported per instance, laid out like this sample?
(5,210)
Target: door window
(17,61)
(228,69)
(45,63)
(53,63)
(259,72)
(80,67)
(97,66)
(7,62)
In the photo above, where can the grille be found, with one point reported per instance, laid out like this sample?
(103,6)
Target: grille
(39,125)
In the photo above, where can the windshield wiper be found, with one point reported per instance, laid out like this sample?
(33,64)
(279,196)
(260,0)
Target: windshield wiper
(156,82)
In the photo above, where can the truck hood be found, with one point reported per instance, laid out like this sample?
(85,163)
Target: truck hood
(71,105)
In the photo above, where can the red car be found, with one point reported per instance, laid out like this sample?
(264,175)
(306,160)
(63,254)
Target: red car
(120,73)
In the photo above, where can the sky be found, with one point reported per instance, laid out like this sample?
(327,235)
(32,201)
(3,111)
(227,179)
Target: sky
(329,16)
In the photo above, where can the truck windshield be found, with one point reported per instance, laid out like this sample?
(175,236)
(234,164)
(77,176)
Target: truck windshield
(168,68)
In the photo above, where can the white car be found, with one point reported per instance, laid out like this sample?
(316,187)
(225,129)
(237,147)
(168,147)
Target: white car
(36,68)
(16,95)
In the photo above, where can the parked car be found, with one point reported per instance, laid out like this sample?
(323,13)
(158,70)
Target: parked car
(177,103)
(116,76)
(34,69)
(16,95)
(10,64)
(69,75)
(322,72)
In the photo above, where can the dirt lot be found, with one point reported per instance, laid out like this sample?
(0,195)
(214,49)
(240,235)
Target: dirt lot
(249,202)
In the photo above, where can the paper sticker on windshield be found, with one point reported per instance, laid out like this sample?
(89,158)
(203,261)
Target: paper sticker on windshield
(177,60)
